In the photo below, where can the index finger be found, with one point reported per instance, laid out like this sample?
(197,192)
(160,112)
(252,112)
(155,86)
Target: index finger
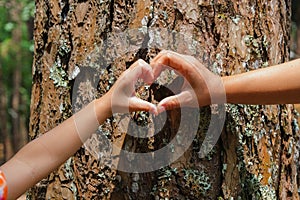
(140,69)
(171,59)
(144,71)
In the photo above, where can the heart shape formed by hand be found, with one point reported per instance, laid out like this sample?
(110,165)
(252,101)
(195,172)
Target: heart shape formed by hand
(125,98)
(194,86)
(200,86)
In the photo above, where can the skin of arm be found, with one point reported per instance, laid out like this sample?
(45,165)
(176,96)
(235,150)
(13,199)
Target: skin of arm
(43,155)
(279,84)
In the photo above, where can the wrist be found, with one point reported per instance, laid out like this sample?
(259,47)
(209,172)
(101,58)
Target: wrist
(226,81)
(103,108)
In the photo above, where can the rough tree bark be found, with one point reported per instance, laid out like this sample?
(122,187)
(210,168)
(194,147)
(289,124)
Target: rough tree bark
(296,19)
(257,154)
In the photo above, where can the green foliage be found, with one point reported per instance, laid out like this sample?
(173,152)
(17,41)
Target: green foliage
(11,50)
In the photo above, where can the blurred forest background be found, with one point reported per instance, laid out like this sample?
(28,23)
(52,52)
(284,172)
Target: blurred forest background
(16,54)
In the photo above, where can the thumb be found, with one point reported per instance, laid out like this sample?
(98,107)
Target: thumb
(136,104)
(172,102)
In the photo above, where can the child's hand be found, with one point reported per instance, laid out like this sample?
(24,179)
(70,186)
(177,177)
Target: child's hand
(122,94)
(201,87)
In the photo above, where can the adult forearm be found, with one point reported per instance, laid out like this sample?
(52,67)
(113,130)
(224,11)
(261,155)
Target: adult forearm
(278,84)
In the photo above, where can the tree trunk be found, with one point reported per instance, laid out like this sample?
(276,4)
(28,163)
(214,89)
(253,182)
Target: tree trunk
(19,133)
(13,126)
(257,154)
(296,20)
(3,116)
(6,147)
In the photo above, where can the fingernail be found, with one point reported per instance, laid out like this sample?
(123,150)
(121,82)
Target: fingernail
(160,109)
(153,111)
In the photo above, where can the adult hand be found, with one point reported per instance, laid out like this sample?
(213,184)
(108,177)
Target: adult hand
(201,86)
(122,94)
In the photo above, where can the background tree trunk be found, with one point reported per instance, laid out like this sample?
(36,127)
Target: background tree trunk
(3,116)
(257,155)
(16,96)
(13,104)
(6,142)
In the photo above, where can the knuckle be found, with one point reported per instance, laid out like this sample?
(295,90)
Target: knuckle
(141,61)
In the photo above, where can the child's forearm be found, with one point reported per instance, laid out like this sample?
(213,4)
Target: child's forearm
(43,155)
(278,84)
